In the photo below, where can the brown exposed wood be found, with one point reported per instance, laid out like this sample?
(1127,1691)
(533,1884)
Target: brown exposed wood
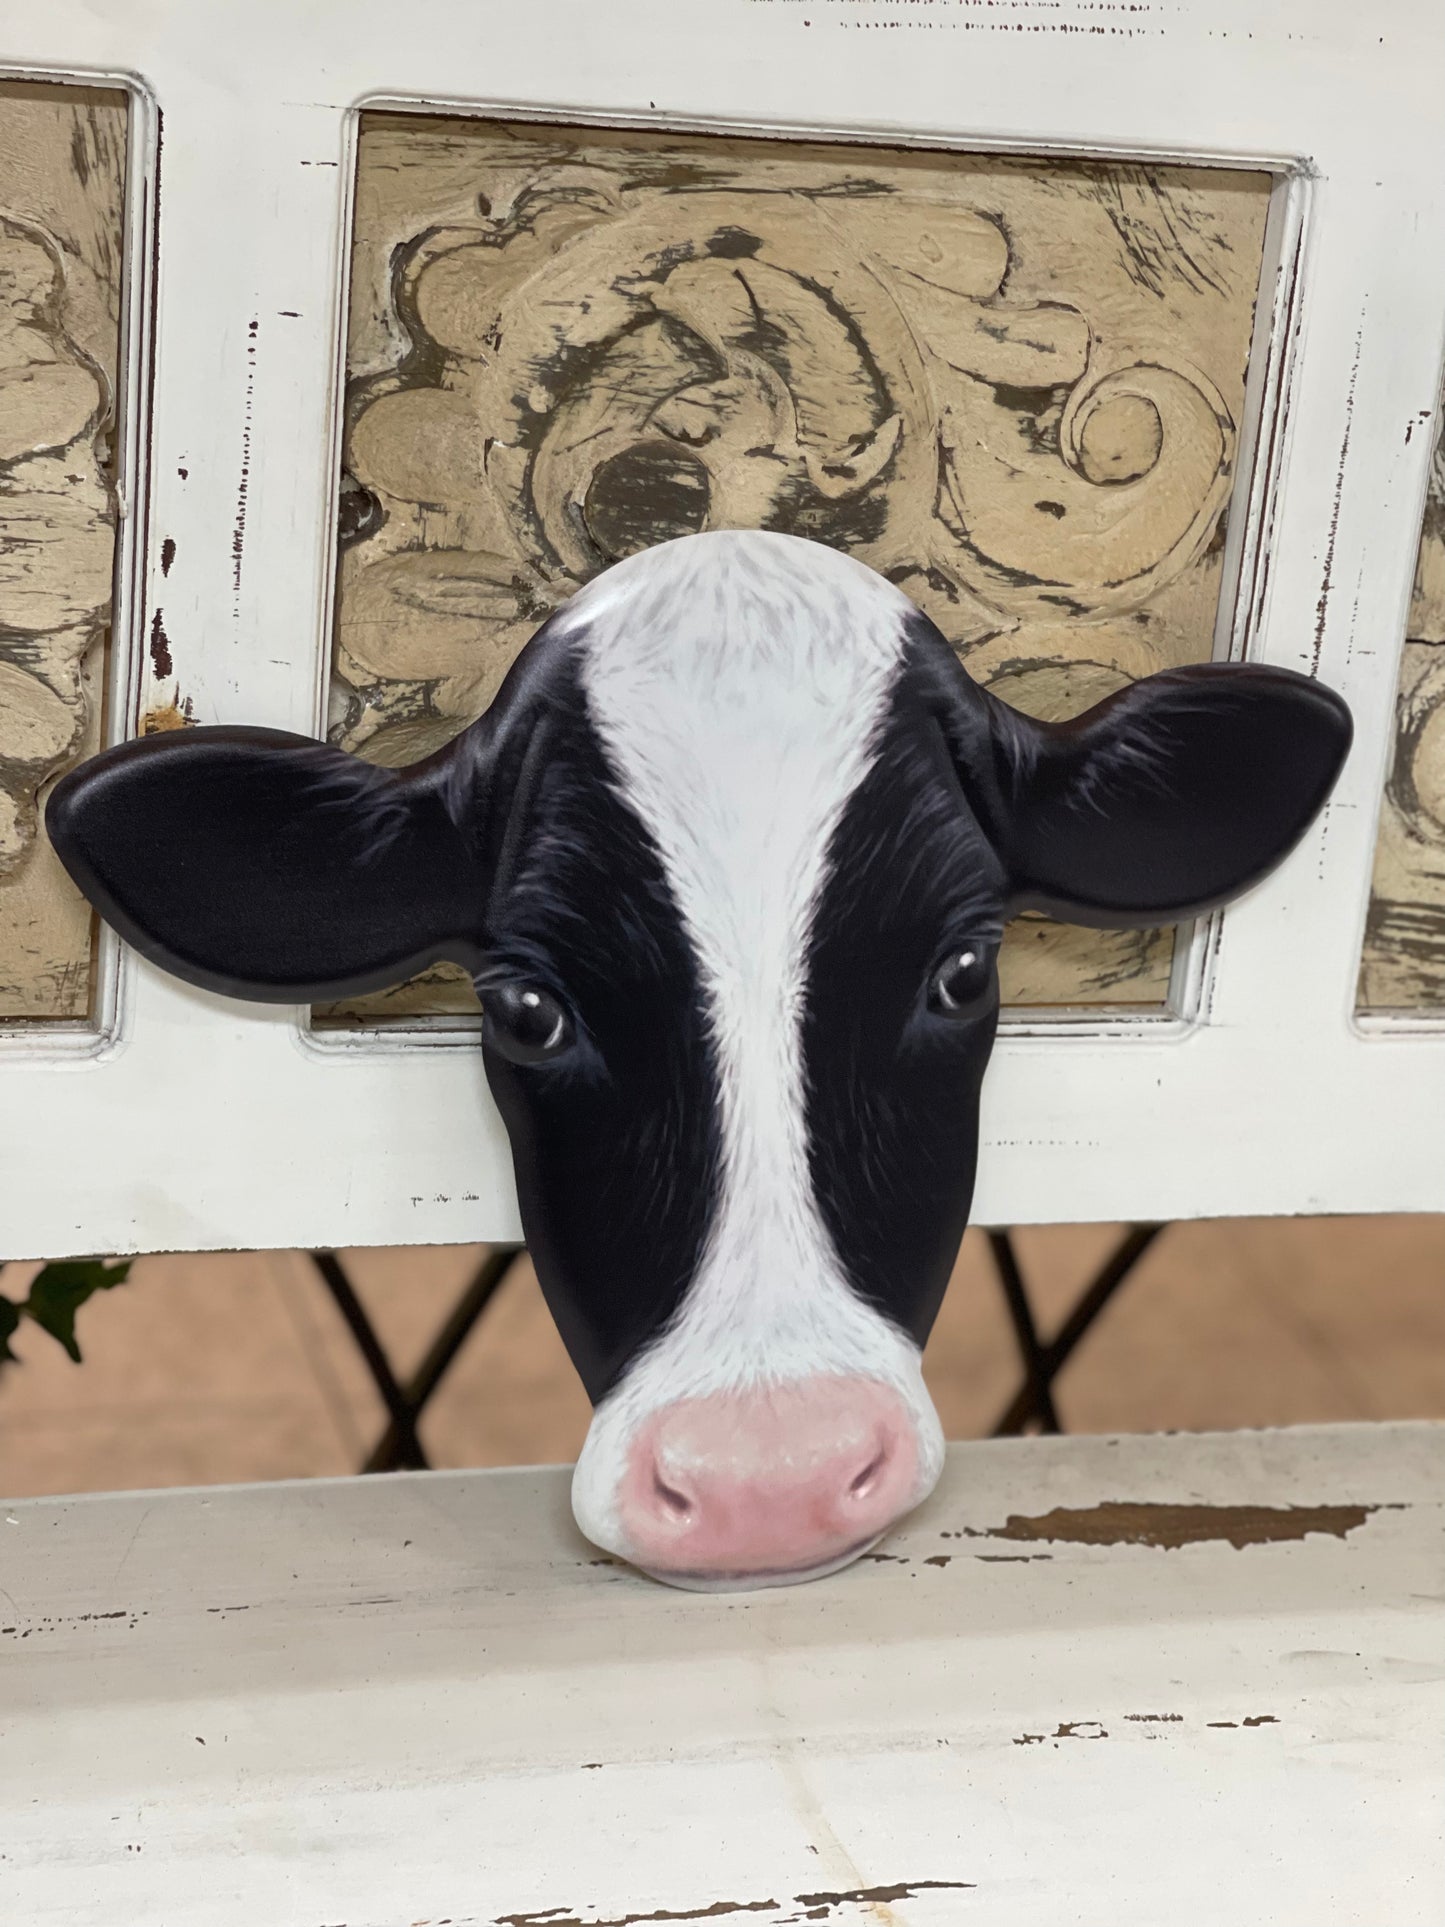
(1147,1523)
(156,722)
(834,1906)
(1015,388)
(1403,965)
(62,172)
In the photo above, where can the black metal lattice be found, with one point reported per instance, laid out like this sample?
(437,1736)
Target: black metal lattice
(1042,1360)
(399,1448)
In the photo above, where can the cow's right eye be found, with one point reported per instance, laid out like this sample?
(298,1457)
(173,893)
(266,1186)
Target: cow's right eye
(524,1023)
(962,983)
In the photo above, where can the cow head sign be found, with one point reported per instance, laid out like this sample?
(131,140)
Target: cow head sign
(729,859)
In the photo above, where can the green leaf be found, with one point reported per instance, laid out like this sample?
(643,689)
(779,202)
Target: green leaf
(9,1319)
(58,1292)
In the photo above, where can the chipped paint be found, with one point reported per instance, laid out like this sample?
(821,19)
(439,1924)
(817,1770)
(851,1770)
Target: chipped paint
(1065,1730)
(815,1906)
(62,1622)
(715,1910)
(1124,1522)
(1327,582)
(162,661)
(176,715)
(243,486)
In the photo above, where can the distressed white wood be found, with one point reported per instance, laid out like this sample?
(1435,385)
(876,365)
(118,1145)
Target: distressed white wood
(200,1124)
(425,1699)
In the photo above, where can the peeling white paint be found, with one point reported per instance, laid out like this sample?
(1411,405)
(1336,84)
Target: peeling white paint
(385,1702)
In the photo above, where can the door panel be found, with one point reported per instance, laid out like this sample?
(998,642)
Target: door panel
(1015,387)
(170,1119)
(1402,970)
(62,284)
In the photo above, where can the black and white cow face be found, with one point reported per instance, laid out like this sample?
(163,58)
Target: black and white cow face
(730,859)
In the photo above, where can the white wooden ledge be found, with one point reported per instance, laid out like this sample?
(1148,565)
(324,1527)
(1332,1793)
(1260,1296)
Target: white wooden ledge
(1151,1680)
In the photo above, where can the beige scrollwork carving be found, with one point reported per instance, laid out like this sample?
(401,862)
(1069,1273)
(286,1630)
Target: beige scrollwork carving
(56,526)
(1013,389)
(1403,963)
(62,156)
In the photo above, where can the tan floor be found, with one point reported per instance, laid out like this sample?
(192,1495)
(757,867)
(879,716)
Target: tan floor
(237,1366)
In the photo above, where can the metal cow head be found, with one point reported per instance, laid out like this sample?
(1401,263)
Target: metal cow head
(729,859)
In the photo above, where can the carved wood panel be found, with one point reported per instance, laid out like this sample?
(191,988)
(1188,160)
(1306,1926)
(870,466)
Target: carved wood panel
(1403,965)
(1016,388)
(62,182)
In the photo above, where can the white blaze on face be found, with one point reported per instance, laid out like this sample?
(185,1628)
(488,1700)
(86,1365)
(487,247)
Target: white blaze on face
(738,682)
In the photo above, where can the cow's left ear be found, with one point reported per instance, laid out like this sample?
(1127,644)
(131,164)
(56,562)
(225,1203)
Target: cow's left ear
(272,867)
(1167,798)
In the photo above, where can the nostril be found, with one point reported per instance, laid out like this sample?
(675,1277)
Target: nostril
(862,1484)
(676,1505)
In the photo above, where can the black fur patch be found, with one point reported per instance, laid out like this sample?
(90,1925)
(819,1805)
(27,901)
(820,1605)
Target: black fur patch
(615,1141)
(892,1088)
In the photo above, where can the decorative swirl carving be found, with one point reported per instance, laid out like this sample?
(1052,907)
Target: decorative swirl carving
(56,528)
(1134,489)
(954,370)
(1402,966)
(62,260)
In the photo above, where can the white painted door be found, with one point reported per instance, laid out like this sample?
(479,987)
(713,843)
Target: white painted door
(170,1119)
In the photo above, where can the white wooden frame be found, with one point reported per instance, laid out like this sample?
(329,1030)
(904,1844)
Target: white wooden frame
(189,1122)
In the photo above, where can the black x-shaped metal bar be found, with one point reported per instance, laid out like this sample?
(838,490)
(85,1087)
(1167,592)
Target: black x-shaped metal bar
(1042,1362)
(400,1448)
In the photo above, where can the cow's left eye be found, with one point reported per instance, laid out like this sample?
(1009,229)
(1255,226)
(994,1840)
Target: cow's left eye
(524,1023)
(963,982)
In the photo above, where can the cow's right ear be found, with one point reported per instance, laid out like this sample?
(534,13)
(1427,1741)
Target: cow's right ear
(1168,798)
(271,866)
